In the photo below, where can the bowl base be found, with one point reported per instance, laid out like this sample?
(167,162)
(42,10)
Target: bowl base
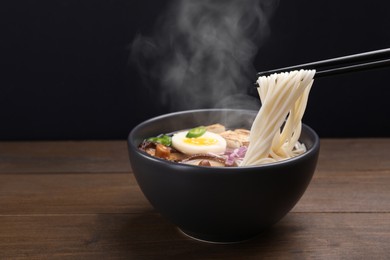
(213,239)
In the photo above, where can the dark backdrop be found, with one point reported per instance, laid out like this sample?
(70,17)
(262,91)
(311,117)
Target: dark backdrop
(65,71)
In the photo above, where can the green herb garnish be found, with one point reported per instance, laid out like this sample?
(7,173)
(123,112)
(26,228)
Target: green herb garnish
(162,139)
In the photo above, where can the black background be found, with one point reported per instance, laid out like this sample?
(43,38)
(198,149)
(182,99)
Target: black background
(65,70)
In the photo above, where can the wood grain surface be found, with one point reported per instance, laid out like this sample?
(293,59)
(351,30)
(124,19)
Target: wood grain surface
(79,200)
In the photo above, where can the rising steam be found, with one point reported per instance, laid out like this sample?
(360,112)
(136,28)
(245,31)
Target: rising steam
(201,54)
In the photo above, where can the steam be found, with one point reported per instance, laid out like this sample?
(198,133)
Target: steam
(201,54)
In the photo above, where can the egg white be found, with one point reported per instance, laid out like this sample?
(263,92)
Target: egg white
(217,143)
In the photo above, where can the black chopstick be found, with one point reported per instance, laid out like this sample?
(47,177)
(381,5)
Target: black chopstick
(340,65)
(353,68)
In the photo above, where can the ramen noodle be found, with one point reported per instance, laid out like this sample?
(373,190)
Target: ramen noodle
(275,131)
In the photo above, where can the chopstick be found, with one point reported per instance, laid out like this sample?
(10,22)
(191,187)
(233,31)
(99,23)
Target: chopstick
(351,63)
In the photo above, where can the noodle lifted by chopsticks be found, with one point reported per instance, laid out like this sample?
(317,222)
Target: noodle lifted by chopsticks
(284,97)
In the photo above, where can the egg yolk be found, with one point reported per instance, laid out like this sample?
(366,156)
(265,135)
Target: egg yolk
(200,141)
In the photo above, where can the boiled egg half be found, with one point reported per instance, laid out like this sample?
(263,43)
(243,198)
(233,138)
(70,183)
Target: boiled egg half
(207,143)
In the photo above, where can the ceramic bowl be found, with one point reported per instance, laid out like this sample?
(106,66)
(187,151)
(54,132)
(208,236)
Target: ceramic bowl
(220,204)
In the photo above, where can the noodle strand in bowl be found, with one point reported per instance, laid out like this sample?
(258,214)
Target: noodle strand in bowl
(277,127)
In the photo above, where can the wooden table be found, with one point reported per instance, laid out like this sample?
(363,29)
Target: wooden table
(79,200)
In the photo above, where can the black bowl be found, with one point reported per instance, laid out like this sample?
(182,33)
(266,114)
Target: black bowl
(215,203)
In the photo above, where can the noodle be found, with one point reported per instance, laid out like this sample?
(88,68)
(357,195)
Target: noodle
(284,97)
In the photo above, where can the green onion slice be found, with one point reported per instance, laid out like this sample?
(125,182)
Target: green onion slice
(196,132)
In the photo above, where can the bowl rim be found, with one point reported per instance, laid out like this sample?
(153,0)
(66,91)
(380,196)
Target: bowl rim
(306,128)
